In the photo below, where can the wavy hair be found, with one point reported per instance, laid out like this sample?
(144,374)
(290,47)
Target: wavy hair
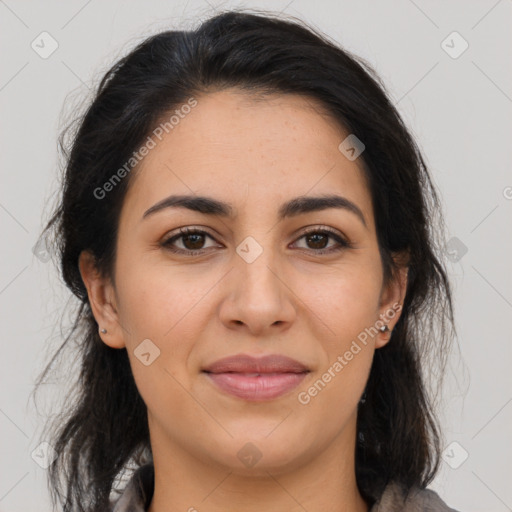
(398,435)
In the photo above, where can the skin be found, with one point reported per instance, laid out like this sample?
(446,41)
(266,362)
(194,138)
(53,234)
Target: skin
(255,153)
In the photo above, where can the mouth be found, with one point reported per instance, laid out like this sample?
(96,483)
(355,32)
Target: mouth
(256,378)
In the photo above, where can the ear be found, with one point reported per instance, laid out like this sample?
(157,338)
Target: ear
(102,300)
(392,299)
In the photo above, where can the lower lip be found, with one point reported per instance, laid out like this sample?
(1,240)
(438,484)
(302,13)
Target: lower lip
(256,388)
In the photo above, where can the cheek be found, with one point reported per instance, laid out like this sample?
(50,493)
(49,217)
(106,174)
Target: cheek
(345,301)
(158,300)
(334,391)
(165,392)
(332,399)
(347,305)
(161,316)
(164,377)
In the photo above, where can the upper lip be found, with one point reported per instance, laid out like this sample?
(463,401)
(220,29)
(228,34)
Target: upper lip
(244,363)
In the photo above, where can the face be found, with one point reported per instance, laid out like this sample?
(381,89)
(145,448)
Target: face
(258,279)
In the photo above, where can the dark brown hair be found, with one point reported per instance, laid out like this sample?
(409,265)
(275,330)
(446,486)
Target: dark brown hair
(398,439)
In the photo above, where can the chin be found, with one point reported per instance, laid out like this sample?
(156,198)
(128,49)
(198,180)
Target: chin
(260,453)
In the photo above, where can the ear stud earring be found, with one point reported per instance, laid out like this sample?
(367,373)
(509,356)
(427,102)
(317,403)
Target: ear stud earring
(103,331)
(384,328)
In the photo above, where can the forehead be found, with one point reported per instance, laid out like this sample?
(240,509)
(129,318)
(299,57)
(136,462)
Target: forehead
(236,145)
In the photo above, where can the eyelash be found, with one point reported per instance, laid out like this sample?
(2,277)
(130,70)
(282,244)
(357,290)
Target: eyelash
(167,244)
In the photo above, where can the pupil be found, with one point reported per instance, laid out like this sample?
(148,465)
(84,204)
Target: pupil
(318,235)
(187,237)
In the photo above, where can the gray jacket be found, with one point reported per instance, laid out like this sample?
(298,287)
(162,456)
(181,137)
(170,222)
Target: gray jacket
(139,491)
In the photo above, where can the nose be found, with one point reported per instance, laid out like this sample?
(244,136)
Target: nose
(259,297)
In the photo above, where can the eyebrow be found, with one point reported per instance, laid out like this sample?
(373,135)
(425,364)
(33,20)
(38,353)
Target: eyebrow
(292,208)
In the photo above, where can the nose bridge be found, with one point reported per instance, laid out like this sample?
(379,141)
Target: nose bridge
(258,296)
(257,264)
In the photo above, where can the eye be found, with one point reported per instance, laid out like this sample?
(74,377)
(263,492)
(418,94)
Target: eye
(193,240)
(318,237)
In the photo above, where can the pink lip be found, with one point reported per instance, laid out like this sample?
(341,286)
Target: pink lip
(244,363)
(256,379)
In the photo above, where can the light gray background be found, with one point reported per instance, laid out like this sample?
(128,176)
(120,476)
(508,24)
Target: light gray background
(458,108)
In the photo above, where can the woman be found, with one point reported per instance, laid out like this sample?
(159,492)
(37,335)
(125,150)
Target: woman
(248,226)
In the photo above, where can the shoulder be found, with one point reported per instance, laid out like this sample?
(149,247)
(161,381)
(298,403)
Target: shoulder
(393,499)
(138,492)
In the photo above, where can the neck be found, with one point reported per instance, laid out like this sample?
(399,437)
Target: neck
(323,482)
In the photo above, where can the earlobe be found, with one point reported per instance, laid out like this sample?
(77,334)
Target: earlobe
(102,301)
(384,335)
(391,304)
